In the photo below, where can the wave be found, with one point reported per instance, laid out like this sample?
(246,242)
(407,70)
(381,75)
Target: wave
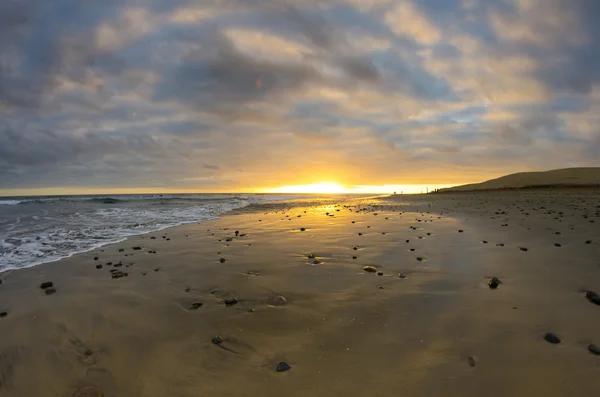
(127,199)
(10,202)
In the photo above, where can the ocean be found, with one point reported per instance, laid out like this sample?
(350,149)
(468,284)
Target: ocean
(36,230)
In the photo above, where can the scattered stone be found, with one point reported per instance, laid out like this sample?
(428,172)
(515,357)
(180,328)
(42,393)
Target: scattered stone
(407,241)
(317,262)
(355,248)
(593,297)
(419,258)
(557,245)
(494,283)
(121,249)
(360,234)
(460,231)
(485,242)
(595,350)
(370,269)
(47,284)
(282,367)
(188,289)
(302,229)
(3,314)
(230,301)
(136,248)
(380,273)
(143,274)
(500,245)
(217,340)
(279,300)
(153,238)
(551,338)
(311,256)
(237,233)
(222,260)
(108,263)
(118,264)
(588,241)
(157,269)
(228,239)
(95,258)
(523,248)
(88,391)
(251,310)
(118,274)
(98,266)
(471,361)
(354,257)
(402,275)
(196,305)
(412,249)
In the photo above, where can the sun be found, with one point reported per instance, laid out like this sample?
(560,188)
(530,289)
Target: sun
(323,188)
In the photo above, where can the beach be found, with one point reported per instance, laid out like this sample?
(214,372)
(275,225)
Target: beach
(424,323)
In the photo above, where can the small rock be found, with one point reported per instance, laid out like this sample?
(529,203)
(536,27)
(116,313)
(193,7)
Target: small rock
(217,340)
(98,266)
(88,352)
(402,275)
(118,274)
(95,258)
(302,229)
(355,248)
(3,314)
(485,242)
(222,260)
(317,262)
(136,248)
(588,241)
(380,273)
(551,338)
(595,350)
(282,367)
(460,231)
(228,239)
(237,233)
(500,245)
(471,361)
(46,284)
(279,300)
(494,283)
(419,258)
(50,291)
(196,305)
(251,310)
(360,234)
(557,245)
(354,257)
(157,269)
(230,301)
(153,238)
(311,256)
(121,249)
(88,391)
(370,269)
(593,297)
(523,248)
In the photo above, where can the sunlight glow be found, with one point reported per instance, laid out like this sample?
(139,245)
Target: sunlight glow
(323,187)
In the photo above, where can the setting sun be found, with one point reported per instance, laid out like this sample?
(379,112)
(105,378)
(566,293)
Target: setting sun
(323,187)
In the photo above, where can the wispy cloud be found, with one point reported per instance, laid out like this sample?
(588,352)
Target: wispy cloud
(224,94)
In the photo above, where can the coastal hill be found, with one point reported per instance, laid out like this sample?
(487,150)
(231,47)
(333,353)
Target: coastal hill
(565,177)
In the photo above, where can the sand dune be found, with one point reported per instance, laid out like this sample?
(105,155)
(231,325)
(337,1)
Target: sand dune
(588,176)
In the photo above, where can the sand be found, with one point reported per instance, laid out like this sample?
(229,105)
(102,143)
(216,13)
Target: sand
(440,330)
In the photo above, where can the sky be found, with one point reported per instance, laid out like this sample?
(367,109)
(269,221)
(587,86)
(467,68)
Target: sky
(247,95)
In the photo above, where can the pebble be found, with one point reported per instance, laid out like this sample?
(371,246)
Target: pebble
(595,350)
(557,245)
(419,258)
(500,245)
(485,242)
(460,231)
(136,248)
(311,256)
(230,301)
(380,273)
(3,314)
(354,257)
(370,269)
(121,249)
(282,367)
(593,297)
(402,275)
(355,248)
(98,266)
(196,305)
(88,391)
(217,340)
(222,260)
(302,229)
(46,284)
(588,241)
(551,338)
(317,262)
(279,300)
(494,282)
(471,360)
(95,258)
(523,248)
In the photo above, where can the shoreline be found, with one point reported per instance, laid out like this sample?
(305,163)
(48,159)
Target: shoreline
(438,330)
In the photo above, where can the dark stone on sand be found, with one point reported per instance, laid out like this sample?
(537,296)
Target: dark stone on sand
(157,269)
(121,249)
(196,305)
(108,263)
(595,350)
(593,297)
(353,222)
(317,262)
(523,248)
(88,352)
(118,274)
(460,231)
(250,310)
(118,264)
(222,260)
(412,249)
(402,275)
(95,258)
(168,239)
(228,239)
(153,238)
(302,229)
(143,274)
(46,284)
(3,314)
(50,291)
(279,300)
(354,257)
(88,391)
(380,273)
(419,258)
(217,340)
(237,233)
(500,245)
(230,301)
(557,245)
(485,242)
(355,248)
(311,256)
(407,241)
(588,241)
(98,266)
(471,361)
(551,338)
(360,234)
(282,367)
(369,269)
(494,282)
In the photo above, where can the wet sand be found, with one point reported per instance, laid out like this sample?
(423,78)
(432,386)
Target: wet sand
(439,330)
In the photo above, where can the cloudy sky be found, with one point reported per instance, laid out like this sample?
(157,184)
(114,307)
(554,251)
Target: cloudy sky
(232,94)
